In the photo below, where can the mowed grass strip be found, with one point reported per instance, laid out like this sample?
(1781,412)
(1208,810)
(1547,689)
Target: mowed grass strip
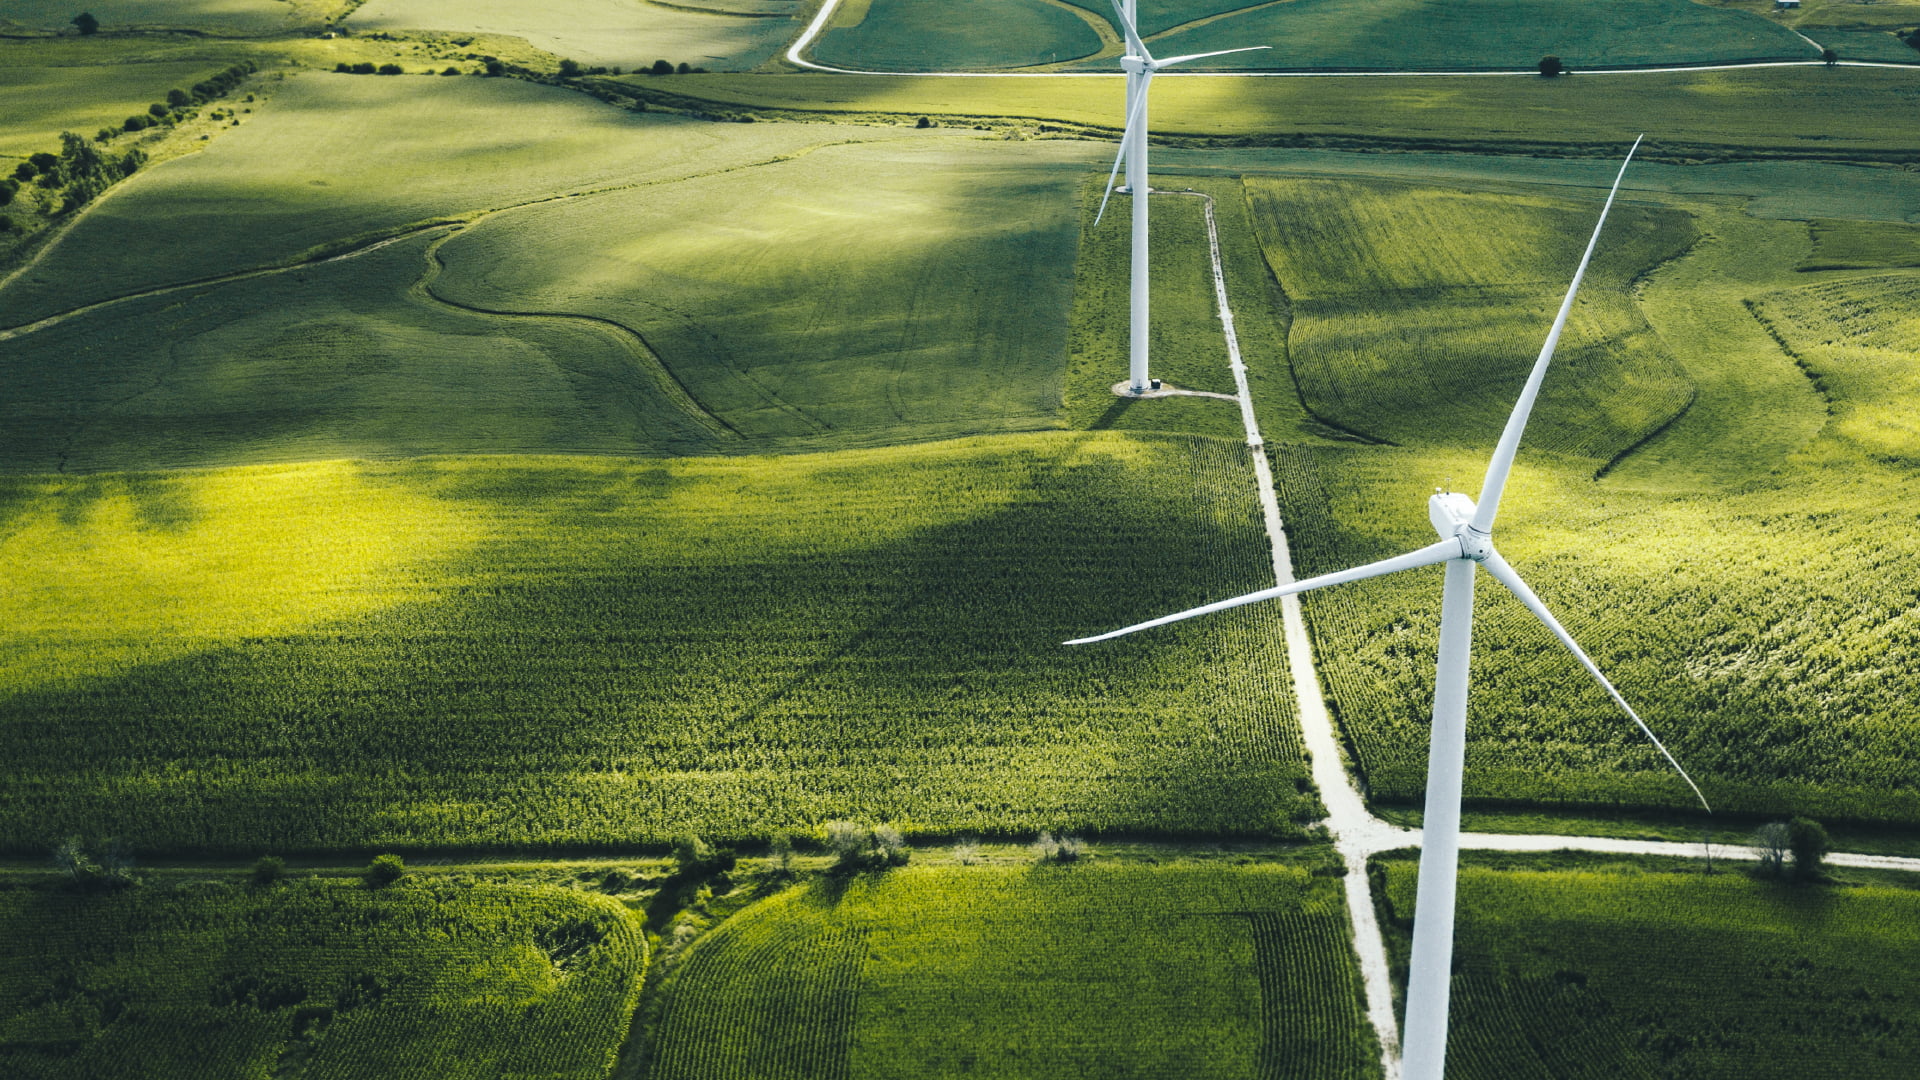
(536,652)
(1416,312)
(1095,969)
(1622,973)
(325,976)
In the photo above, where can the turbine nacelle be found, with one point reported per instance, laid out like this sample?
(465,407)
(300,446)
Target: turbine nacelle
(1451,514)
(1136,65)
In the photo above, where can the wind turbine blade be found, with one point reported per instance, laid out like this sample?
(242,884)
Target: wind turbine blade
(1509,444)
(1134,44)
(1506,575)
(1170,61)
(1127,135)
(1426,556)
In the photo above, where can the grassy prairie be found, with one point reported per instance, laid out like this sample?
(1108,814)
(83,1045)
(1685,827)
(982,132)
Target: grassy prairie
(1417,312)
(933,35)
(1623,973)
(324,976)
(1026,971)
(293,180)
(1813,112)
(628,33)
(529,652)
(1437,35)
(859,294)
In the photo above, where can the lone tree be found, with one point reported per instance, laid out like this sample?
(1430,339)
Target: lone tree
(1773,840)
(1809,843)
(1550,66)
(1829,57)
(87,23)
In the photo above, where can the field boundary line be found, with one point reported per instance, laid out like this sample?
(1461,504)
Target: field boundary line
(1357,834)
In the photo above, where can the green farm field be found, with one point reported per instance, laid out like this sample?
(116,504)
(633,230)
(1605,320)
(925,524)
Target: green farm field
(718,36)
(531,653)
(1621,972)
(1690,116)
(1337,35)
(1096,969)
(314,976)
(1774,467)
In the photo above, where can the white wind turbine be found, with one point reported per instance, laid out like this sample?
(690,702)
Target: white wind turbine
(1466,532)
(1140,67)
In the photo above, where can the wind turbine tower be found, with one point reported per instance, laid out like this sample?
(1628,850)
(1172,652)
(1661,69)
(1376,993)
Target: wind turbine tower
(1466,540)
(1140,66)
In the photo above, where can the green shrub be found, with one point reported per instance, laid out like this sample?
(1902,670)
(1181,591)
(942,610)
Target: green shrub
(385,870)
(391,69)
(1808,839)
(268,869)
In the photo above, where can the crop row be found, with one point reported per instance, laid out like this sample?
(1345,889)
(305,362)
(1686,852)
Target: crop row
(606,653)
(413,980)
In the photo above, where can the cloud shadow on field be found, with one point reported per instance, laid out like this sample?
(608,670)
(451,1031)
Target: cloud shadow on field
(611,672)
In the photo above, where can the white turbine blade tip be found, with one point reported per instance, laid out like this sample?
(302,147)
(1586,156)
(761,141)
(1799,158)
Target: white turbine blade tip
(1172,60)
(1504,573)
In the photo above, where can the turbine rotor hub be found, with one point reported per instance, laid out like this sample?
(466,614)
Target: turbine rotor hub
(1452,516)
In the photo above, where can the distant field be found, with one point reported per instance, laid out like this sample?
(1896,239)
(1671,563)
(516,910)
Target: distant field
(1714,115)
(1440,35)
(533,652)
(1861,245)
(934,35)
(1410,304)
(218,16)
(630,33)
(1021,971)
(343,359)
(292,179)
(857,294)
(1401,35)
(315,977)
(1571,973)
(38,103)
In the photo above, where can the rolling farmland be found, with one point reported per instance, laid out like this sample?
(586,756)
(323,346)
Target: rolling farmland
(470,468)
(1615,972)
(322,976)
(1102,969)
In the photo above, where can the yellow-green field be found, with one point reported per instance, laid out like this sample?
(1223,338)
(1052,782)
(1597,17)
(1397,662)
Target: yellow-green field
(629,33)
